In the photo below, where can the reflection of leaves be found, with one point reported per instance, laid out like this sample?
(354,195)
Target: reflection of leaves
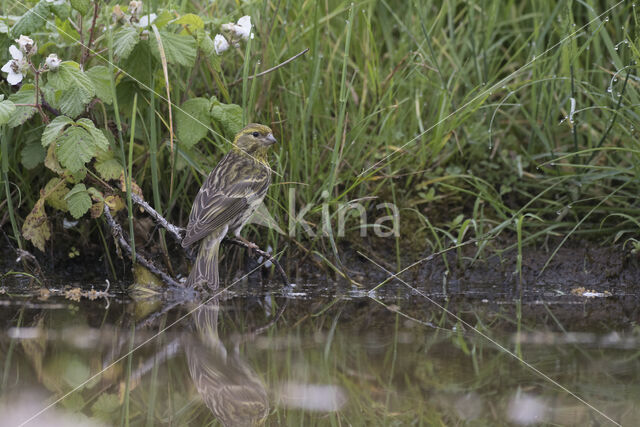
(105,406)
(189,129)
(36,226)
(78,200)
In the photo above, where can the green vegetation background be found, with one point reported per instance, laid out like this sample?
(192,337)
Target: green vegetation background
(458,112)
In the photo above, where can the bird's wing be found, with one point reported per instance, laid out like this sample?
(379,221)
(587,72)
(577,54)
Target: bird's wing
(224,196)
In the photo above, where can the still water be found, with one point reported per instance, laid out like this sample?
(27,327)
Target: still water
(309,356)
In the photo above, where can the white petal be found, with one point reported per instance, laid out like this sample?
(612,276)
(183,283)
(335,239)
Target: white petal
(6,68)
(14,78)
(15,53)
(245,21)
(220,43)
(146,20)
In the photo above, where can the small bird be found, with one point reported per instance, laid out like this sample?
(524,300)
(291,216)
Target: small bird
(232,192)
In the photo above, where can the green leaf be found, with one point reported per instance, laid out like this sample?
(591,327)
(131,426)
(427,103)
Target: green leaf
(107,165)
(105,406)
(178,49)
(192,120)
(101,79)
(205,43)
(60,10)
(78,200)
(101,141)
(194,22)
(32,155)
(163,19)
(69,75)
(33,20)
(26,95)
(74,148)
(53,129)
(124,40)
(81,6)
(55,198)
(227,116)
(36,226)
(7,108)
(72,101)
(66,31)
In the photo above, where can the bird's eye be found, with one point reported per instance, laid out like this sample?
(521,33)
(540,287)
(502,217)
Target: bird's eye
(255,134)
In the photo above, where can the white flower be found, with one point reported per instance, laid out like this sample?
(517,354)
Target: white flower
(220,44)
(241,29)
(135,8)
(15,68)
(146,20)
(27,46)
(52,62)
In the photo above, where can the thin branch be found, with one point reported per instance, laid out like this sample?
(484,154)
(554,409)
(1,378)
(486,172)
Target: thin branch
(176,232)
(116,231)
(293,58)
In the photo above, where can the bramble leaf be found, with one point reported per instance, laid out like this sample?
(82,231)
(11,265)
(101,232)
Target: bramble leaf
(192,120)
(81,6)
(26,95)
(178,49)
(7,108)
(74,148)
(36,226)
(99,139)
(78,200)
(32,20)
(124,40)
(54,128)
(55,198)
(101,79)
(227,116)
(32,155)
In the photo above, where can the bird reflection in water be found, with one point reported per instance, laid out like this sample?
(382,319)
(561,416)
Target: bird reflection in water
(229,387)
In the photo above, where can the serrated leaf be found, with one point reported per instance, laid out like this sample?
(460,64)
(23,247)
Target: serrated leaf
(7,108)
(51,161)
(74,148)
(101,141)
(26,95)
(32,155)
(72,101)
(105,406)
(66,31)
(33,19)
(124,40)
(81,6)
(140,62)
(227,116)
(194,22)
(109,168)
(101,79)
(163,19)
(53,129)
(78,200)
(178,49)
(55,198)
(205,43)
(36,226)
(61,10)
(70,75)
(191,119)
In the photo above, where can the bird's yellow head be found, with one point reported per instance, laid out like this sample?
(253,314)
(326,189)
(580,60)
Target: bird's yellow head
(255,140)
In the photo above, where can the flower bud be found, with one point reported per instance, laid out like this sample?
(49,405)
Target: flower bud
(53,62)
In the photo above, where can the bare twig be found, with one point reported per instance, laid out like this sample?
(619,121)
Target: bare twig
(293,58)
(116,230)
(87,48)
(176,232)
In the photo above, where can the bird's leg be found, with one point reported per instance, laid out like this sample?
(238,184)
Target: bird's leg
(250,245)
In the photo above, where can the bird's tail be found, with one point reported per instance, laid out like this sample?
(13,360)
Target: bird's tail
(205,270)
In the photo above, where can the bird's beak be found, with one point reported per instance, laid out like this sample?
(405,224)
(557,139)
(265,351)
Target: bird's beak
(270,139)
